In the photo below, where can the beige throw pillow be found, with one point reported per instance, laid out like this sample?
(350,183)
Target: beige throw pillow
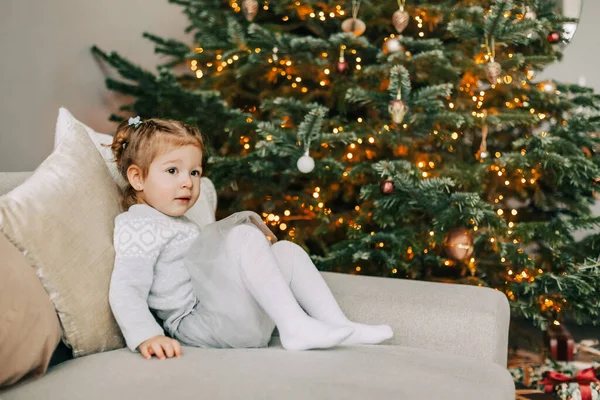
(62,219)
(29,328)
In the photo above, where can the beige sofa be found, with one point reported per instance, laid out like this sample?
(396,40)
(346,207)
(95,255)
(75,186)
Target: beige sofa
(450,342)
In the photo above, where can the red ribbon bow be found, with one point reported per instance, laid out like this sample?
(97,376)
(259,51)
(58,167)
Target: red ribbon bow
(583,378)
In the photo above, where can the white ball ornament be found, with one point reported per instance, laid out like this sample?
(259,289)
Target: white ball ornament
(306,163)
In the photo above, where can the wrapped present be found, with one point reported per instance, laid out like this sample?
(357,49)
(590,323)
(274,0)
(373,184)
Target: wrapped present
(560,343)
(580,386)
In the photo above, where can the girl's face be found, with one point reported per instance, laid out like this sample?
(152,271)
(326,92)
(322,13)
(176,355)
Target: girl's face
(172,185)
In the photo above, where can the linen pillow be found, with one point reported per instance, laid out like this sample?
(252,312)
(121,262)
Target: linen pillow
(202,213)
(29,328)
(62,219)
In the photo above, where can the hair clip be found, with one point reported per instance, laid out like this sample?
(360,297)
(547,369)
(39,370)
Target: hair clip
(135,121)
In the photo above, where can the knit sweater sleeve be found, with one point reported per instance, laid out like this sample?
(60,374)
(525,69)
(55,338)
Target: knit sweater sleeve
(138,243)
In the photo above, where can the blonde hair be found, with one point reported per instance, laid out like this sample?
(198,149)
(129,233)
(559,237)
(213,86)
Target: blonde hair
(138,144)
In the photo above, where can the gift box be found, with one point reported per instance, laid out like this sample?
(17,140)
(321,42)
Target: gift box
(583,385)
(559,343)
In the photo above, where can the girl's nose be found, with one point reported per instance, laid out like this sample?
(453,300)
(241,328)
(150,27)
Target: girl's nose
(187,182)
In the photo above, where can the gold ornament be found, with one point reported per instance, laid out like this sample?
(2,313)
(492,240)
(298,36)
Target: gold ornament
(392,45)
(397,109)
(458,244)
(493,71)
(529,13)
(354,25)
(400,20)
(250,9)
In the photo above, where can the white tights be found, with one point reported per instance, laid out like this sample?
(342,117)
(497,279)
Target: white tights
(285,283)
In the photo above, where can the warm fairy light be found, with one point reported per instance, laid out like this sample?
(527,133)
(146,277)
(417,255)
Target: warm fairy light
(352,146)
(506,183)
(492,240)
(246,146)
(511,224)
(359,119)
(283,226)
(510,272)
(475,228)
(326,71)
(431,164)
(394,271)
(287,213)
(285,18)
(498,154)
(335,130)
(424,174)
(269,138)
(500,212)
(316,195)
(431,233)
(199,74)
(320,205)
(304,89)
(322,83)
(514,212)
(451,105)
(371,140)
(454,135)
(357,269)
(298,79)
(503,259)
(421,164)
(349,156)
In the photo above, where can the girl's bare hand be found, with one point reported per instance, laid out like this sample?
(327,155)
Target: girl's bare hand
(160,346)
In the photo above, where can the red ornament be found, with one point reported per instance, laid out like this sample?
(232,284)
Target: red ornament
(387,187)
(342,66)
(554,37)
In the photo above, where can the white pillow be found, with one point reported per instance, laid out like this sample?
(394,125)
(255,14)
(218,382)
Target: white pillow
(202,213)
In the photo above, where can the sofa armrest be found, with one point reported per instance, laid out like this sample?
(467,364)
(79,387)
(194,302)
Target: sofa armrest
(468,320)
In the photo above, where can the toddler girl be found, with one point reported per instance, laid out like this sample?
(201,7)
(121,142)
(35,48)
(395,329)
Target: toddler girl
(223,286)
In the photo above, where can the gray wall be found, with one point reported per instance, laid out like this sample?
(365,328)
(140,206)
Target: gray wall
(46,63)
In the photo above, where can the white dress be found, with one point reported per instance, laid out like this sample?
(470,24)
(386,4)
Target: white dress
(226,314)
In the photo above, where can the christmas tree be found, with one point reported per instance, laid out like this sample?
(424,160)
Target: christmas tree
(407,140)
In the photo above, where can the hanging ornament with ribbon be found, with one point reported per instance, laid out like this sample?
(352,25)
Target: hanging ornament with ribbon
(492,69)
(398,108)
(342,65)
(400,18)
(250,9)
(354,25)
(305,163)
(482,154)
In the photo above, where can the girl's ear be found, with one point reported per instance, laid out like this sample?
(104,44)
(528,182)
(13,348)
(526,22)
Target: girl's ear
(135,178)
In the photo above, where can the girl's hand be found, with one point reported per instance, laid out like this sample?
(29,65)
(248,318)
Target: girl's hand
(160,346)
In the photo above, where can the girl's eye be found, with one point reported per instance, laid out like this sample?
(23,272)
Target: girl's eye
(195,173)
(172,170)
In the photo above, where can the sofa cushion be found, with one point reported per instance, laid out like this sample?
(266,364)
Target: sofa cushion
(29,328)
(202,213)
(358,372)
(62,219)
